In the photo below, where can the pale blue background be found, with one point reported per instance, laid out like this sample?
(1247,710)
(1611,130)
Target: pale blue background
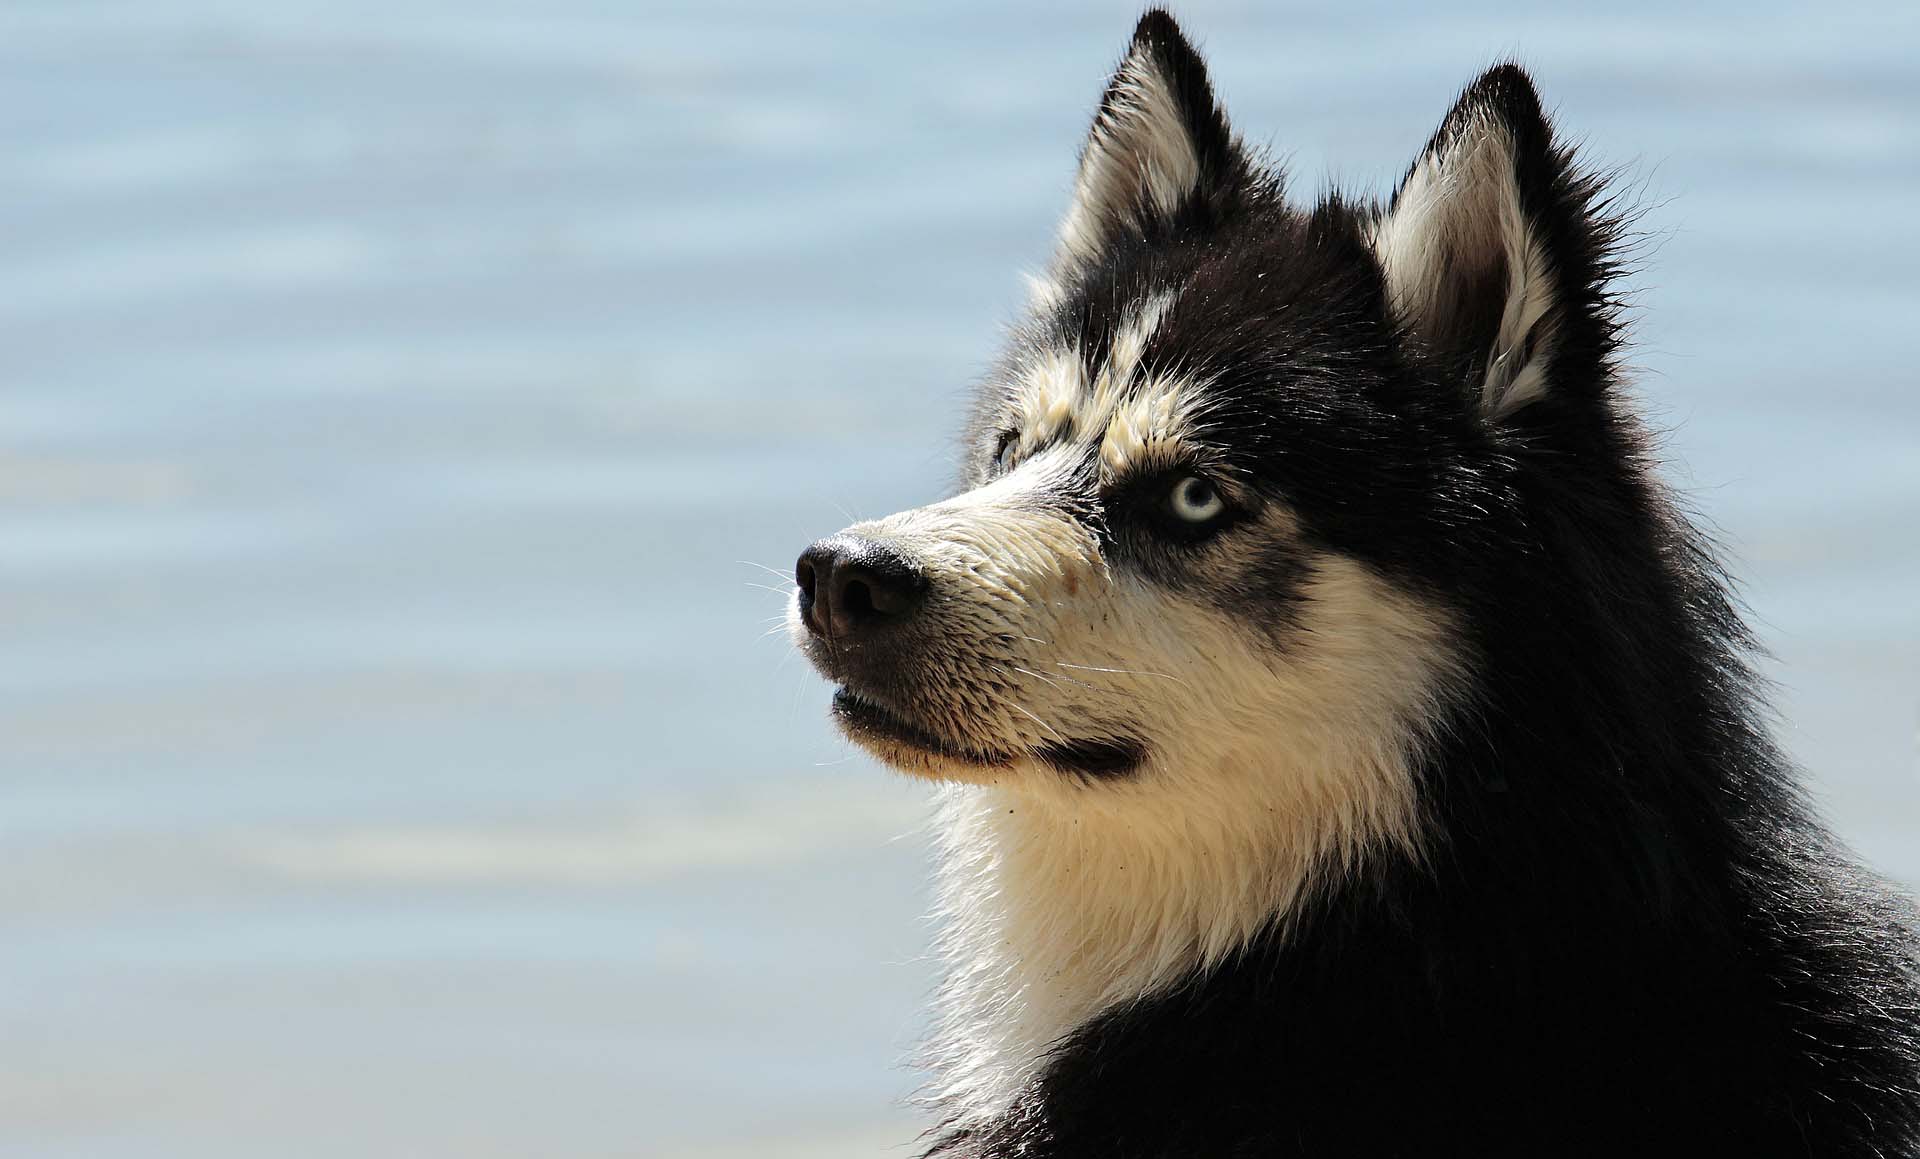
(391,763)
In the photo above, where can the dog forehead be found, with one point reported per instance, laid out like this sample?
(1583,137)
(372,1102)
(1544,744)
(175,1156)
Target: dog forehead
(1131,412)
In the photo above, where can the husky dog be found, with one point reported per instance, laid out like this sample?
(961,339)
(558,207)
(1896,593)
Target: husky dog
(1346,748)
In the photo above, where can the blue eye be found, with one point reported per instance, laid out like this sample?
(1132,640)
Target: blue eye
(1194,500)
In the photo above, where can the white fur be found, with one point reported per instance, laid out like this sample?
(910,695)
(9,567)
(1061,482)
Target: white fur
(1459,210)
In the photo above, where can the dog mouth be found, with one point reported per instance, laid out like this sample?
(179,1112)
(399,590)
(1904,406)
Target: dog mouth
(867,722)
(881,729)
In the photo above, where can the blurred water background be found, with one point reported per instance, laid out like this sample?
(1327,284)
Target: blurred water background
(395,397)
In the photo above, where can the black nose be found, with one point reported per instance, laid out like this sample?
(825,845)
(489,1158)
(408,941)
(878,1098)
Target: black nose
(852,588)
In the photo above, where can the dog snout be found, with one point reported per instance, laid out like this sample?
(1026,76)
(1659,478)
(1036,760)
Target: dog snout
(853,588)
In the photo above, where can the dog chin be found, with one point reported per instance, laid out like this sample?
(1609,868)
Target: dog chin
(910,748)
(919,762)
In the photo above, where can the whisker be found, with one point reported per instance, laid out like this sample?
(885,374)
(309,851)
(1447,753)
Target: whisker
(1056,682)
(1043,724)
(772,571)
(1119,671)
(1037,676)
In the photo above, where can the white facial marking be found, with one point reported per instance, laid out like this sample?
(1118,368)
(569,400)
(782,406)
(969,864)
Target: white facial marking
(1044,407)
(1149,428)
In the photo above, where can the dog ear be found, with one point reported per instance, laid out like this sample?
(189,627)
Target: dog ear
(1159,154)
(1492,253)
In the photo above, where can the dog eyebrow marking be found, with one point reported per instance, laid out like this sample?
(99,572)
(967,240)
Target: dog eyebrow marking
(1151,428)
(1044,408)
(1135,419)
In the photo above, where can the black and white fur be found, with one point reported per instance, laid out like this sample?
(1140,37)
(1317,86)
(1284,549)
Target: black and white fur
(1346,747)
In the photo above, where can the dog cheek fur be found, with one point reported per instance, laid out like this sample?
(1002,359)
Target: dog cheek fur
(1274,765)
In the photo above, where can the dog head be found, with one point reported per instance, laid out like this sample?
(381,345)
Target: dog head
(1225,497)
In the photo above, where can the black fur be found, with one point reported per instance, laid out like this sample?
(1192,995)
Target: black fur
(1629,936)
